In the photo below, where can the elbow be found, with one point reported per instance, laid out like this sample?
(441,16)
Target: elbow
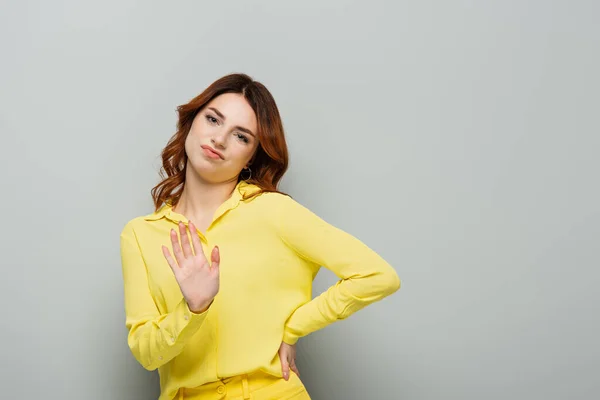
(397,283)
(142,357)
(388,281)
(391,282)
(145,362)
(381,284)
(147,365)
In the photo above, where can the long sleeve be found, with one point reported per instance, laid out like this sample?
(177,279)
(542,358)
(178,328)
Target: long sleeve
(365,277)
(154,338)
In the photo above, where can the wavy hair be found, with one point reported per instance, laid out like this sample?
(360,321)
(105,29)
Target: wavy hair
(271,159)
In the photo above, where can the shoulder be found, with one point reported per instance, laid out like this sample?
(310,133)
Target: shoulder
(282,209)
(275,201)
(269,208)
(130,227)
(142,221)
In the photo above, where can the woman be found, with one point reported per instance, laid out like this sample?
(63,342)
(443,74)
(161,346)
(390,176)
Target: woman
(218,278)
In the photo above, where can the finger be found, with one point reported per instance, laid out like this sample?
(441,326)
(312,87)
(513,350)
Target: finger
(294,367)
(170,259)
(185,241)
(285,368)
(215,257)
(177,248)
(196,240)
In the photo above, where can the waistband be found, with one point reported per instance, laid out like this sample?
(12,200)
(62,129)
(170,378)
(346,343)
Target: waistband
(237,386)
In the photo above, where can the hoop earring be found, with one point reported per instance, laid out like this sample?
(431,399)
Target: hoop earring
(249,174)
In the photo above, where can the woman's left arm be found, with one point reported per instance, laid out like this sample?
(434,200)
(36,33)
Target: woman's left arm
(365,277)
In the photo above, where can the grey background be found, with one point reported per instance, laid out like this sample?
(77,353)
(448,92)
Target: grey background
(457,138)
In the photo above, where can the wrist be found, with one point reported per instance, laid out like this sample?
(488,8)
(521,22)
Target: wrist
(289,338)
(200,307)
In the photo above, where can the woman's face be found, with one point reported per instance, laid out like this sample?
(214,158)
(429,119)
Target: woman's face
(222,139)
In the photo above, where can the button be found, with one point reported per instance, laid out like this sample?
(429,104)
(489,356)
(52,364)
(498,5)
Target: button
(221,389)
(172,339)
(186,317)
(160,357)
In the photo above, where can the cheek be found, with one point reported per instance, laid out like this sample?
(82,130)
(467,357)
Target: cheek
(249,151)
(192,148)
(195,138)
(242,155)
(189,143)
(199,130)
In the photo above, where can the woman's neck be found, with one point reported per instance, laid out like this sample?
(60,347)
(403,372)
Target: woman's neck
(200,199)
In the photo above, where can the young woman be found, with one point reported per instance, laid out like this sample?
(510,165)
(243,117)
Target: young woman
(218,278)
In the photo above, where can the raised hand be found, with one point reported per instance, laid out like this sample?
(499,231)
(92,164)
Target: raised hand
(198,280)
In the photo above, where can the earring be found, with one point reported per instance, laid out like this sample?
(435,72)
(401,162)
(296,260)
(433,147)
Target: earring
(249,173)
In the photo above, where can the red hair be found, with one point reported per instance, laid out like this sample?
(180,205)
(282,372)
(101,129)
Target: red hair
(270,161)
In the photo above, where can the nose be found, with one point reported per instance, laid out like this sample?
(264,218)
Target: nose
(219,140)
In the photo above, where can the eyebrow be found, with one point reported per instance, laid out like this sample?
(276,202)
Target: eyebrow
(241,128)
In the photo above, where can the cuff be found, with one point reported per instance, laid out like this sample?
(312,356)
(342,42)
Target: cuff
(183,322)
(289,337)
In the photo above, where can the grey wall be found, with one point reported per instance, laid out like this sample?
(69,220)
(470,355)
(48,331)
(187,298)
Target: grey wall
(459,139)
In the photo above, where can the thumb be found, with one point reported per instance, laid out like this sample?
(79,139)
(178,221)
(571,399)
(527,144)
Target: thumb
(215,257)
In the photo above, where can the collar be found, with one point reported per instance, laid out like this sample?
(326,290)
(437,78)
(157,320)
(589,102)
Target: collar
(242,189)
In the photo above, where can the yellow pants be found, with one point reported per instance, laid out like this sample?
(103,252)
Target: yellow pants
(256,386)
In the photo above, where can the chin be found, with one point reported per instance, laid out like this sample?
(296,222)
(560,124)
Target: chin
(209,171)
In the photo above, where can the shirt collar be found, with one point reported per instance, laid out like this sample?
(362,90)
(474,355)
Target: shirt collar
(241,189)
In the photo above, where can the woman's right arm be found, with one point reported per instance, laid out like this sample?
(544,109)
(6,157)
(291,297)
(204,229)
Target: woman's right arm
(154,338)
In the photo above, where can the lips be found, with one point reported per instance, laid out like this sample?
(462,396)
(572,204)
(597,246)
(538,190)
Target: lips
(212,153)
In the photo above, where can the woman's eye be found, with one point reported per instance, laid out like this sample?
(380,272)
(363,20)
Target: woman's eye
(211,119)
(242,137)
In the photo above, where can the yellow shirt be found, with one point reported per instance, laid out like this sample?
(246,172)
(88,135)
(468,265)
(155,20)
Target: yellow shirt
(271,250)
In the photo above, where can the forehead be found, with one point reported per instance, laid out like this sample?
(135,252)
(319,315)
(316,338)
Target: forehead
(235,108)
